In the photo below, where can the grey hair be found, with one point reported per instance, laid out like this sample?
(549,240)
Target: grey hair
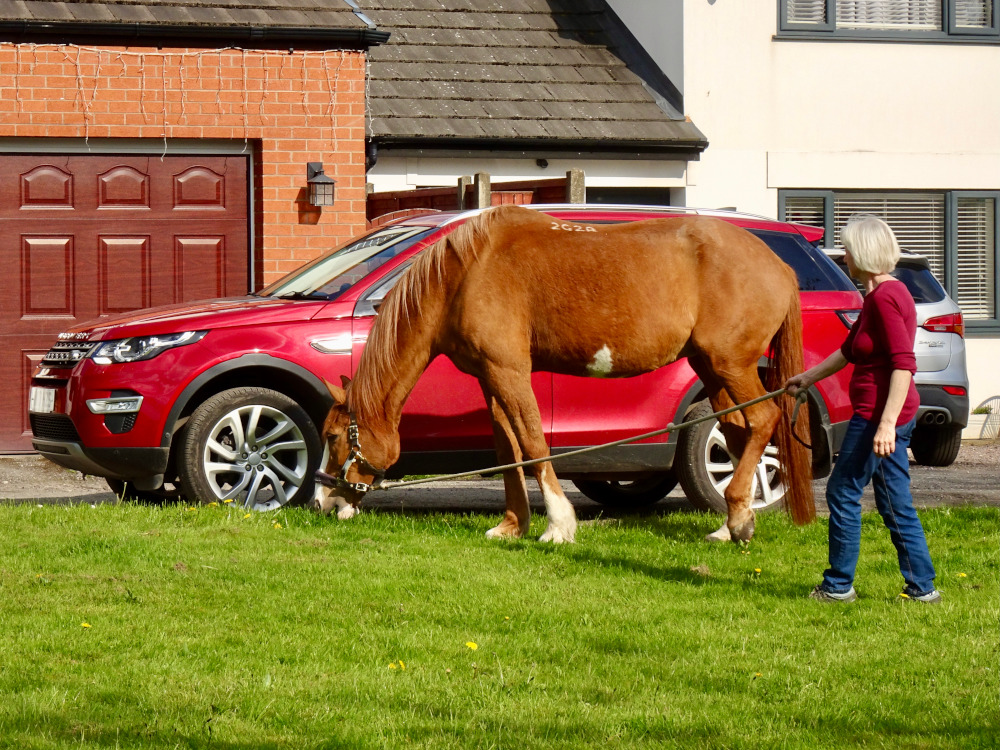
(871,242)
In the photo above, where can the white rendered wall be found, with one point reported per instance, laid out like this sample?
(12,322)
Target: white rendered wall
(829,115)
(392,173)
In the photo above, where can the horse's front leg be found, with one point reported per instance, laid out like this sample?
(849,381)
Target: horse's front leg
(517,516)
(512,390)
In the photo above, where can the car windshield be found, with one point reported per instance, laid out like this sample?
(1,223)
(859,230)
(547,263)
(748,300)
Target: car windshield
(331,275)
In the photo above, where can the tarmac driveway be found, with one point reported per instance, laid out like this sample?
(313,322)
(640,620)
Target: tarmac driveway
(973,479)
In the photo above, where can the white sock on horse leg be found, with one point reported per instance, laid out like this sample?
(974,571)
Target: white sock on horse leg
(720,535)
(562,517)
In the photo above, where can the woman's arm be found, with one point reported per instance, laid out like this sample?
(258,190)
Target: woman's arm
(885,435)
(834,363)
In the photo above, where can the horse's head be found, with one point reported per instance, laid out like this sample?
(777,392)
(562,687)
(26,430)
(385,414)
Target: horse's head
(354,458)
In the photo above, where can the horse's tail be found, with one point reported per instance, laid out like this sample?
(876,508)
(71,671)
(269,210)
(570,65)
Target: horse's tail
(786,361)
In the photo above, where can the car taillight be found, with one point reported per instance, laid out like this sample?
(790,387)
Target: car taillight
(951,323)
(954,390)
(848,317)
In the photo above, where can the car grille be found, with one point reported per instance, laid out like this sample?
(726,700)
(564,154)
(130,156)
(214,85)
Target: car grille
(66,353)
(54,427)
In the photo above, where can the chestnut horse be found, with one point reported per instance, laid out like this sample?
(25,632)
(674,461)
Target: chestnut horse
(513,290)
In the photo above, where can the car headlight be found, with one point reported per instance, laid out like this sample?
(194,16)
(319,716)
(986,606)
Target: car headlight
(138,348)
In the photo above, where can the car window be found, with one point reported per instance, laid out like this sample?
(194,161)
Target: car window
(331,275)
(921,283)
(816,272)
(373,298)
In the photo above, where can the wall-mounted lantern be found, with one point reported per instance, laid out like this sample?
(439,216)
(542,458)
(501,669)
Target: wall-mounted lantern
(320,186)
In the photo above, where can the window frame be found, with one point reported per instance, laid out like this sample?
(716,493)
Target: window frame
(949,33)
(974,328)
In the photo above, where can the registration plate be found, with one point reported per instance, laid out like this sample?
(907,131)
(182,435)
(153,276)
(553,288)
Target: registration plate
(41,400)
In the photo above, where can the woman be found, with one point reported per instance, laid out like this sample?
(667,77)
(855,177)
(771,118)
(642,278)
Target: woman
(884,398)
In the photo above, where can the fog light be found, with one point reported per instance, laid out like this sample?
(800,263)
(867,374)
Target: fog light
(117,405)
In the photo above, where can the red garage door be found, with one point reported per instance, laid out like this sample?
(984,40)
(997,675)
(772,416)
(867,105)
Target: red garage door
(88,236)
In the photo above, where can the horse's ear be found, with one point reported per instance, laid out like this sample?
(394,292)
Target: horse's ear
(339,395)
(345,381)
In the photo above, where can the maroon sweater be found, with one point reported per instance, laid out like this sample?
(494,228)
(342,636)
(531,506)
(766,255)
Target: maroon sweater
(880,341)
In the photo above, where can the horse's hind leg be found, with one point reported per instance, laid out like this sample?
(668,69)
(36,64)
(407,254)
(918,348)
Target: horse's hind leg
(517,516)
(512,390)
(747,434)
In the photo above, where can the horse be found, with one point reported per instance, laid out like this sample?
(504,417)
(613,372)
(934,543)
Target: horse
(512,291)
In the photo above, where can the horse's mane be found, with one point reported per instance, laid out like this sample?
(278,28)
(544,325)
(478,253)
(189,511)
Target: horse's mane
(402,307)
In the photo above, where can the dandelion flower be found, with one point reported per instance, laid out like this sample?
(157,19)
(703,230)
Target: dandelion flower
(248,515)
(228,501)
(401,665)
(904,595)
(277,525)
(212,505)
(472,645)
(392,665)
(84,624)
(962,575)
(756,570)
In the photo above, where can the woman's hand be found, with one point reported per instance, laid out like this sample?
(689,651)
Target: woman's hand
(885,439)
(797,382)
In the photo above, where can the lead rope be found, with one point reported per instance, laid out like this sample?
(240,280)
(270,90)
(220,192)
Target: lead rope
(800,399)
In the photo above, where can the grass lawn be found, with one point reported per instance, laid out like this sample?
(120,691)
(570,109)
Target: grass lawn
(135,627)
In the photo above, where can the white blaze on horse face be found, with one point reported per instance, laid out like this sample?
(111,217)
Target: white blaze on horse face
(601,365)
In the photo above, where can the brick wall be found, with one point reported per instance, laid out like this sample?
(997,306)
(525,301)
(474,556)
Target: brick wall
(288,107)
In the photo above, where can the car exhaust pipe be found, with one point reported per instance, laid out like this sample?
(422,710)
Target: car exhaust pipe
(935,418)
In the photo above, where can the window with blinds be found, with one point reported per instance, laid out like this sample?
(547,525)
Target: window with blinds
(889,14)
(809,210)
(808,12)
(957,233)
(941,17)
(917,220)
(976,251)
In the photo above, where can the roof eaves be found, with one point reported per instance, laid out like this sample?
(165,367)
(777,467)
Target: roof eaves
(362,37)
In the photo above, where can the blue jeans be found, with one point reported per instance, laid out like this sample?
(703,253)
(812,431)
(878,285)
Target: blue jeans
(856,466)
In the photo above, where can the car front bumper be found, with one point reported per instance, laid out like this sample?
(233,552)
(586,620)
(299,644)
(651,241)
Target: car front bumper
(144,467)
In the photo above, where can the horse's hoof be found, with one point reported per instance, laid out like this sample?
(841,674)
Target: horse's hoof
(348,511)
(719,535)
(742,532)
(504,531)
(558,536)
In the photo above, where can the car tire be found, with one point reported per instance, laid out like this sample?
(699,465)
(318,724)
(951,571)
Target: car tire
(629,494)
(704,468)
(252,446)
(936,446)
(124,490)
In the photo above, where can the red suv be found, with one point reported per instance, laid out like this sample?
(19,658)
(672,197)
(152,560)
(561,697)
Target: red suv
(221,400)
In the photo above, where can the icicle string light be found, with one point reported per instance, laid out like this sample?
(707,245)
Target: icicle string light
(147,72)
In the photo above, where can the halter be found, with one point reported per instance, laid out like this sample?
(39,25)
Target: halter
(355,456)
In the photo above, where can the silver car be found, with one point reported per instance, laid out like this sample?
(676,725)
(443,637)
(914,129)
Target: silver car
(942,378)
